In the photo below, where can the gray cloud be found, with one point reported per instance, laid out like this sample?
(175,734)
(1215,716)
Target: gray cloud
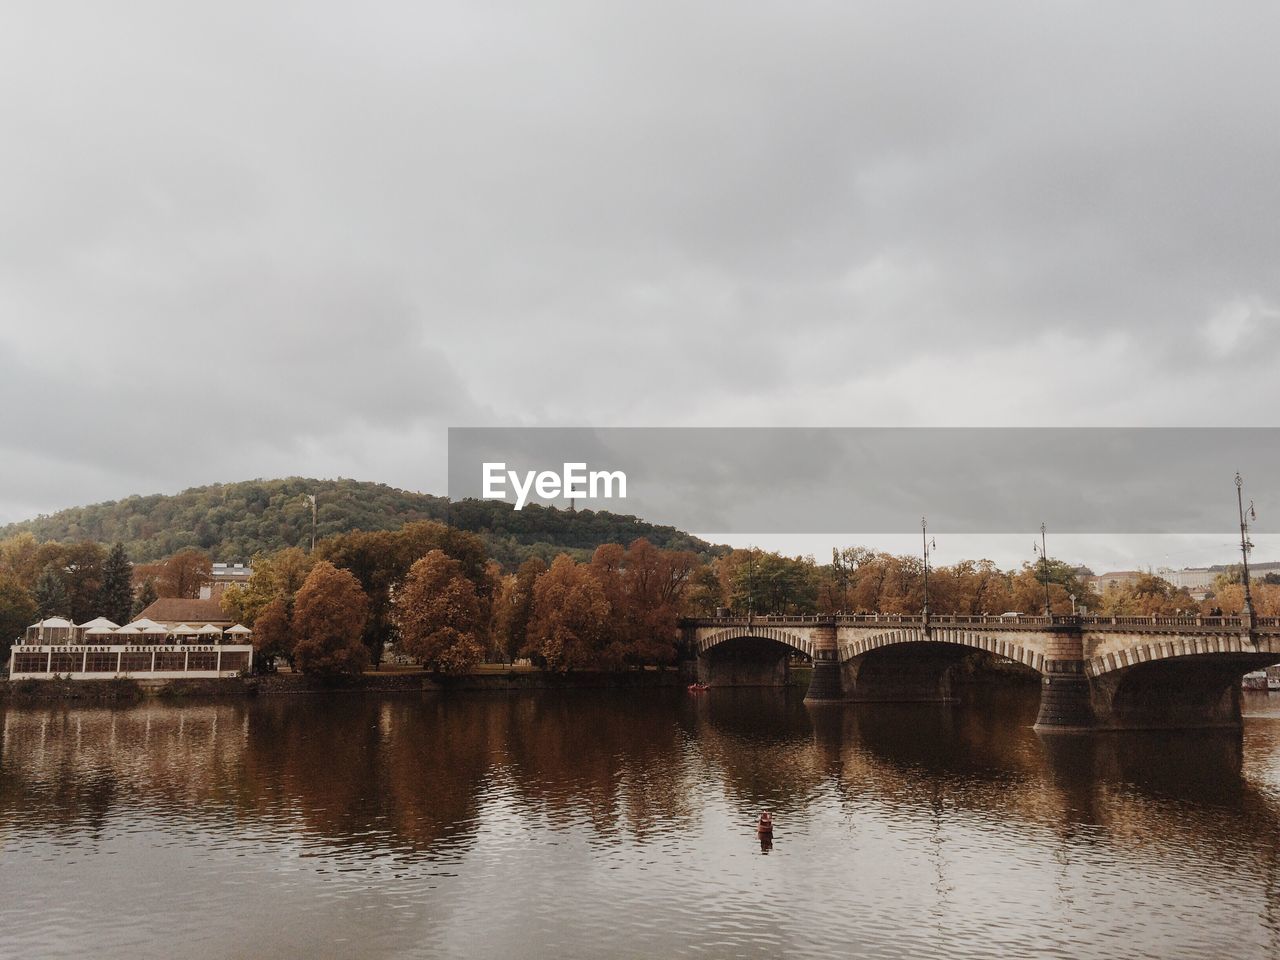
(254,239)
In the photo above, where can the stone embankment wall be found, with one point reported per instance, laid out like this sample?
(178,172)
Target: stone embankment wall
(130,690)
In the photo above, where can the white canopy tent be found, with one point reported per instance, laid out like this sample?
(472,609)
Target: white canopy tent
(210,633)
(49,630)
(146,625)
(89,625)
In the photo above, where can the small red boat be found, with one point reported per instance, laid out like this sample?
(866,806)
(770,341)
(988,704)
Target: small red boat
(699,687)
(764,826)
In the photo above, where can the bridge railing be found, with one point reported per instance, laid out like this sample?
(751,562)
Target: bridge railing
(1184,623)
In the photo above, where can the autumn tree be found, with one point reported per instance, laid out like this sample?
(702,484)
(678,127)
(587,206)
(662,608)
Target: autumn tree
(438,615)
(1230,599)
(180,575)
(1027,588)
(115,595)
(20,559)
(1147,596)
(276,575)
(273,633)
(328,619)
(513,607)
(972,587)
(570,614)
(871,589)
(645,587)
(17,609)
(381,559)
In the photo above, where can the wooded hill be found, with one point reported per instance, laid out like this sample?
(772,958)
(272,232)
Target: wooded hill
(233,521)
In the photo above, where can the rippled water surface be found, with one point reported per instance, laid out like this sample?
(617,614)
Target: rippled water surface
(588,825)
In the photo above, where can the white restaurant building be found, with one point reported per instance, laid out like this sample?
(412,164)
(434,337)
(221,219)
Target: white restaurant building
(144,649)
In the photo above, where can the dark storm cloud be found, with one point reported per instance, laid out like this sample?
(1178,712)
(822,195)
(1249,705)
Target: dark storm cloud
(252,239)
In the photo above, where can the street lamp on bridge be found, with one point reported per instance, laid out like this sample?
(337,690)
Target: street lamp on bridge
(1245,545)
(1044,566)
(927,546)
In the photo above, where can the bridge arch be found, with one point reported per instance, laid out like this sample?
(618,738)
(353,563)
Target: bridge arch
(1226,646)
(788,638)
(1004,646)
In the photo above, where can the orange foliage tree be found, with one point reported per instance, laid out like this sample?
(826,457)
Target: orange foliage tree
(438,615)
(328,619)
(568,627)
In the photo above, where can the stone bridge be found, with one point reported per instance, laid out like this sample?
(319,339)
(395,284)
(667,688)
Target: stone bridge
(1095,672)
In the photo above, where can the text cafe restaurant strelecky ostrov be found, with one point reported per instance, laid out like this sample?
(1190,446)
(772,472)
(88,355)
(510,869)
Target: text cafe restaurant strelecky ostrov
(101,650)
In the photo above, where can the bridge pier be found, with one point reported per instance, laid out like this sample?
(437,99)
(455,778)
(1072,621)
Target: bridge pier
(827,681)
(1065,692)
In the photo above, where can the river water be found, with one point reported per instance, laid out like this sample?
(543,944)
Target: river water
(593,825)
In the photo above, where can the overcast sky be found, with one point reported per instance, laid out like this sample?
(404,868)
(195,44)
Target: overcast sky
(260,239)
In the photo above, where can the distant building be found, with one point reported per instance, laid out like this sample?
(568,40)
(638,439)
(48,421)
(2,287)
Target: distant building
(1198,581)
(1117,578)
(224,575)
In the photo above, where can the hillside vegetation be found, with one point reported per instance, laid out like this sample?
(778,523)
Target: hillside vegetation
(233,521)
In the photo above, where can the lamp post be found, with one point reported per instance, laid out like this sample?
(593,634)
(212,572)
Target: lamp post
(312,498)
(1245,545)
(925,547)
(1073,604)
(1044,566)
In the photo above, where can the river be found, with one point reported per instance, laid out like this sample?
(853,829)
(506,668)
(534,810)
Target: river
(549,825)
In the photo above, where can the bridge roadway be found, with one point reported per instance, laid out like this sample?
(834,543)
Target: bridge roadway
(1095,672)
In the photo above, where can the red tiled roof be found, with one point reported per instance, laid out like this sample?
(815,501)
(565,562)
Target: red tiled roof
(173,610)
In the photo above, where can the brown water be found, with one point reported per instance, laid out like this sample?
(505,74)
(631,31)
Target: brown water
(585,825)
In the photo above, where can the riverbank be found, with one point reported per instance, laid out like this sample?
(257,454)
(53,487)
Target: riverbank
(978,671)
(128,690)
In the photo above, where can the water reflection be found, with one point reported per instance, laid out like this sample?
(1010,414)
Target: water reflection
(956,827)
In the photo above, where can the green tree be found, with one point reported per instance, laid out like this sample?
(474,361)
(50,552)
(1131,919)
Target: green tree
(17,610)
(237,520)
(79,566)
(50,594)
(766,582)
(147,595)
(115,596)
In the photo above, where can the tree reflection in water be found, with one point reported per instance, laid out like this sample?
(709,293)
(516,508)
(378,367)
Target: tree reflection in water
(425,778)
